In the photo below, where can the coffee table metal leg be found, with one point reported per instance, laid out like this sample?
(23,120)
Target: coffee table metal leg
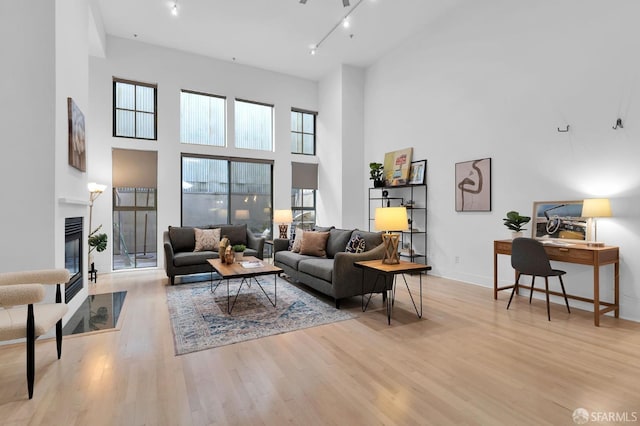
(229,309)
(273,302)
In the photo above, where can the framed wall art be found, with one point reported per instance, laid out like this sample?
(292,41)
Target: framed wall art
(473,186)
(417,173)
(559,220)
(77,147)
(397,165)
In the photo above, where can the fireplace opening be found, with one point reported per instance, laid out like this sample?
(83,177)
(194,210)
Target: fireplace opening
(73,258)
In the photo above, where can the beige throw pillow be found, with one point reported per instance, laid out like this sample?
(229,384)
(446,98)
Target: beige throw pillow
(314,243)
(297,241)
(207,239)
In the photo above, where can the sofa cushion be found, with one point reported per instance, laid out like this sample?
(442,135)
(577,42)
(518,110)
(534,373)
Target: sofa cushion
(237,234)
(290,258)
(182,238)
(356,244)
(314,243)
(317,267)
(338,239)
(371,239)
(193,258)
(297,241)
(323,228)
(207,239)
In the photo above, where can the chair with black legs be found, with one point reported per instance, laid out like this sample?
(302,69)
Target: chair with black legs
(528,257)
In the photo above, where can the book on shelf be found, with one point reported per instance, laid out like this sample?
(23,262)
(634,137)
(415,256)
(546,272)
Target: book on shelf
(251,264)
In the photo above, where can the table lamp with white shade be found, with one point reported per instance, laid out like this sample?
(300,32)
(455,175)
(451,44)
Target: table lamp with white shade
(593,208)
(390,219)
(283,218)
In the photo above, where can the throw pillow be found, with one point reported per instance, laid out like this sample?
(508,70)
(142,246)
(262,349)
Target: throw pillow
(297,242)
(356,244)
(207,239)
(314,243)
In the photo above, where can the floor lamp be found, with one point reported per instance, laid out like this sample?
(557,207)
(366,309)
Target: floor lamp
(390,219)
(95,189)
(592,208)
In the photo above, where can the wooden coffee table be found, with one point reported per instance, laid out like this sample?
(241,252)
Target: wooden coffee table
(253,268)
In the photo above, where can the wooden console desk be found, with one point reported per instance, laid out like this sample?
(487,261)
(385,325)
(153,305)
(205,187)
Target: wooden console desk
(575,253)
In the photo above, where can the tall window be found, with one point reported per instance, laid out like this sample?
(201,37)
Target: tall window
(202,119)
(134,228)
(304,183)
(224,190)
(303,208)
(303,132)
(253,125)
(134,109)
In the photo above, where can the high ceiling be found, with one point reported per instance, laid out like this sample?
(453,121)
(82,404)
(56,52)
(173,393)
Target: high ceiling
(274,34)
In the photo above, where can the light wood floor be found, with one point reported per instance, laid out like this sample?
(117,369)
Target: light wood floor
(468,361)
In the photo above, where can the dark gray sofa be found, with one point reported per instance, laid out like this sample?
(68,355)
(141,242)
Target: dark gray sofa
(335,274)
(179,242)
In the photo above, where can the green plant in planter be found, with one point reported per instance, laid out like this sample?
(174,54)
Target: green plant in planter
(239,248)
(515,222)
(97,241)
(376,174)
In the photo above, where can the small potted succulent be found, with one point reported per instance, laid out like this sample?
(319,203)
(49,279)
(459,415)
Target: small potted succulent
(239,249)
(376,174)
(516,223)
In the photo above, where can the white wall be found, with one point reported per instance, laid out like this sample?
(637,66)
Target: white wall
(496,79)
(340,147)
(27,129)
(44,63)
(172,71)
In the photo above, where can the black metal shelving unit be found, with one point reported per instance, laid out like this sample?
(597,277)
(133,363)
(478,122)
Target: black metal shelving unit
(414,241)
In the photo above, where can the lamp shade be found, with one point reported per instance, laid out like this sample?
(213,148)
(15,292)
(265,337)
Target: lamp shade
(282,216)
(242,215)
(596,207)
(391,219)
(96,187)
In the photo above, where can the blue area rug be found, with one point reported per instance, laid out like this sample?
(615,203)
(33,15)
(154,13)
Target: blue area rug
(200,321)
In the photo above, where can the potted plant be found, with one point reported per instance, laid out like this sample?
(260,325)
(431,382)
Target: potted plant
(516,223)
(239,249)
(376,174)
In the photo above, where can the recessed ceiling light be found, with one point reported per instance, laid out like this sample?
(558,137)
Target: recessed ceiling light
(346,23)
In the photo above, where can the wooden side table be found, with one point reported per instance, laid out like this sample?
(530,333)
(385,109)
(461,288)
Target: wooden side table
(387,274)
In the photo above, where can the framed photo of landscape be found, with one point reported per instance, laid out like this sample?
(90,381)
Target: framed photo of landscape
(77,147)
(397,165)
(473,186)
(417,173)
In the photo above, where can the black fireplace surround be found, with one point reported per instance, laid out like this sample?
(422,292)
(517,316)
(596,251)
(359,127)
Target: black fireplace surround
(73,258)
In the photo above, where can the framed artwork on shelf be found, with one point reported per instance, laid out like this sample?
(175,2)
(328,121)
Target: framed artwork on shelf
(397,165)
(473,186)
(559,220)
(418,170)
(77,143)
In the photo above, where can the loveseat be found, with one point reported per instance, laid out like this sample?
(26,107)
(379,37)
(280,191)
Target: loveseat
(332,273)
(181,257)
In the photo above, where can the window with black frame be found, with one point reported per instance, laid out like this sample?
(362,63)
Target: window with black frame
(303,132)
(218,190)
(134,109)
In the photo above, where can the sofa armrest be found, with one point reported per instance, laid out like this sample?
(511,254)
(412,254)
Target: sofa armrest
(345,272)
(168,254)
(280,244)
(256,243)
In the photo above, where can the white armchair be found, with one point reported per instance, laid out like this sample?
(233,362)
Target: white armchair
(21,316)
